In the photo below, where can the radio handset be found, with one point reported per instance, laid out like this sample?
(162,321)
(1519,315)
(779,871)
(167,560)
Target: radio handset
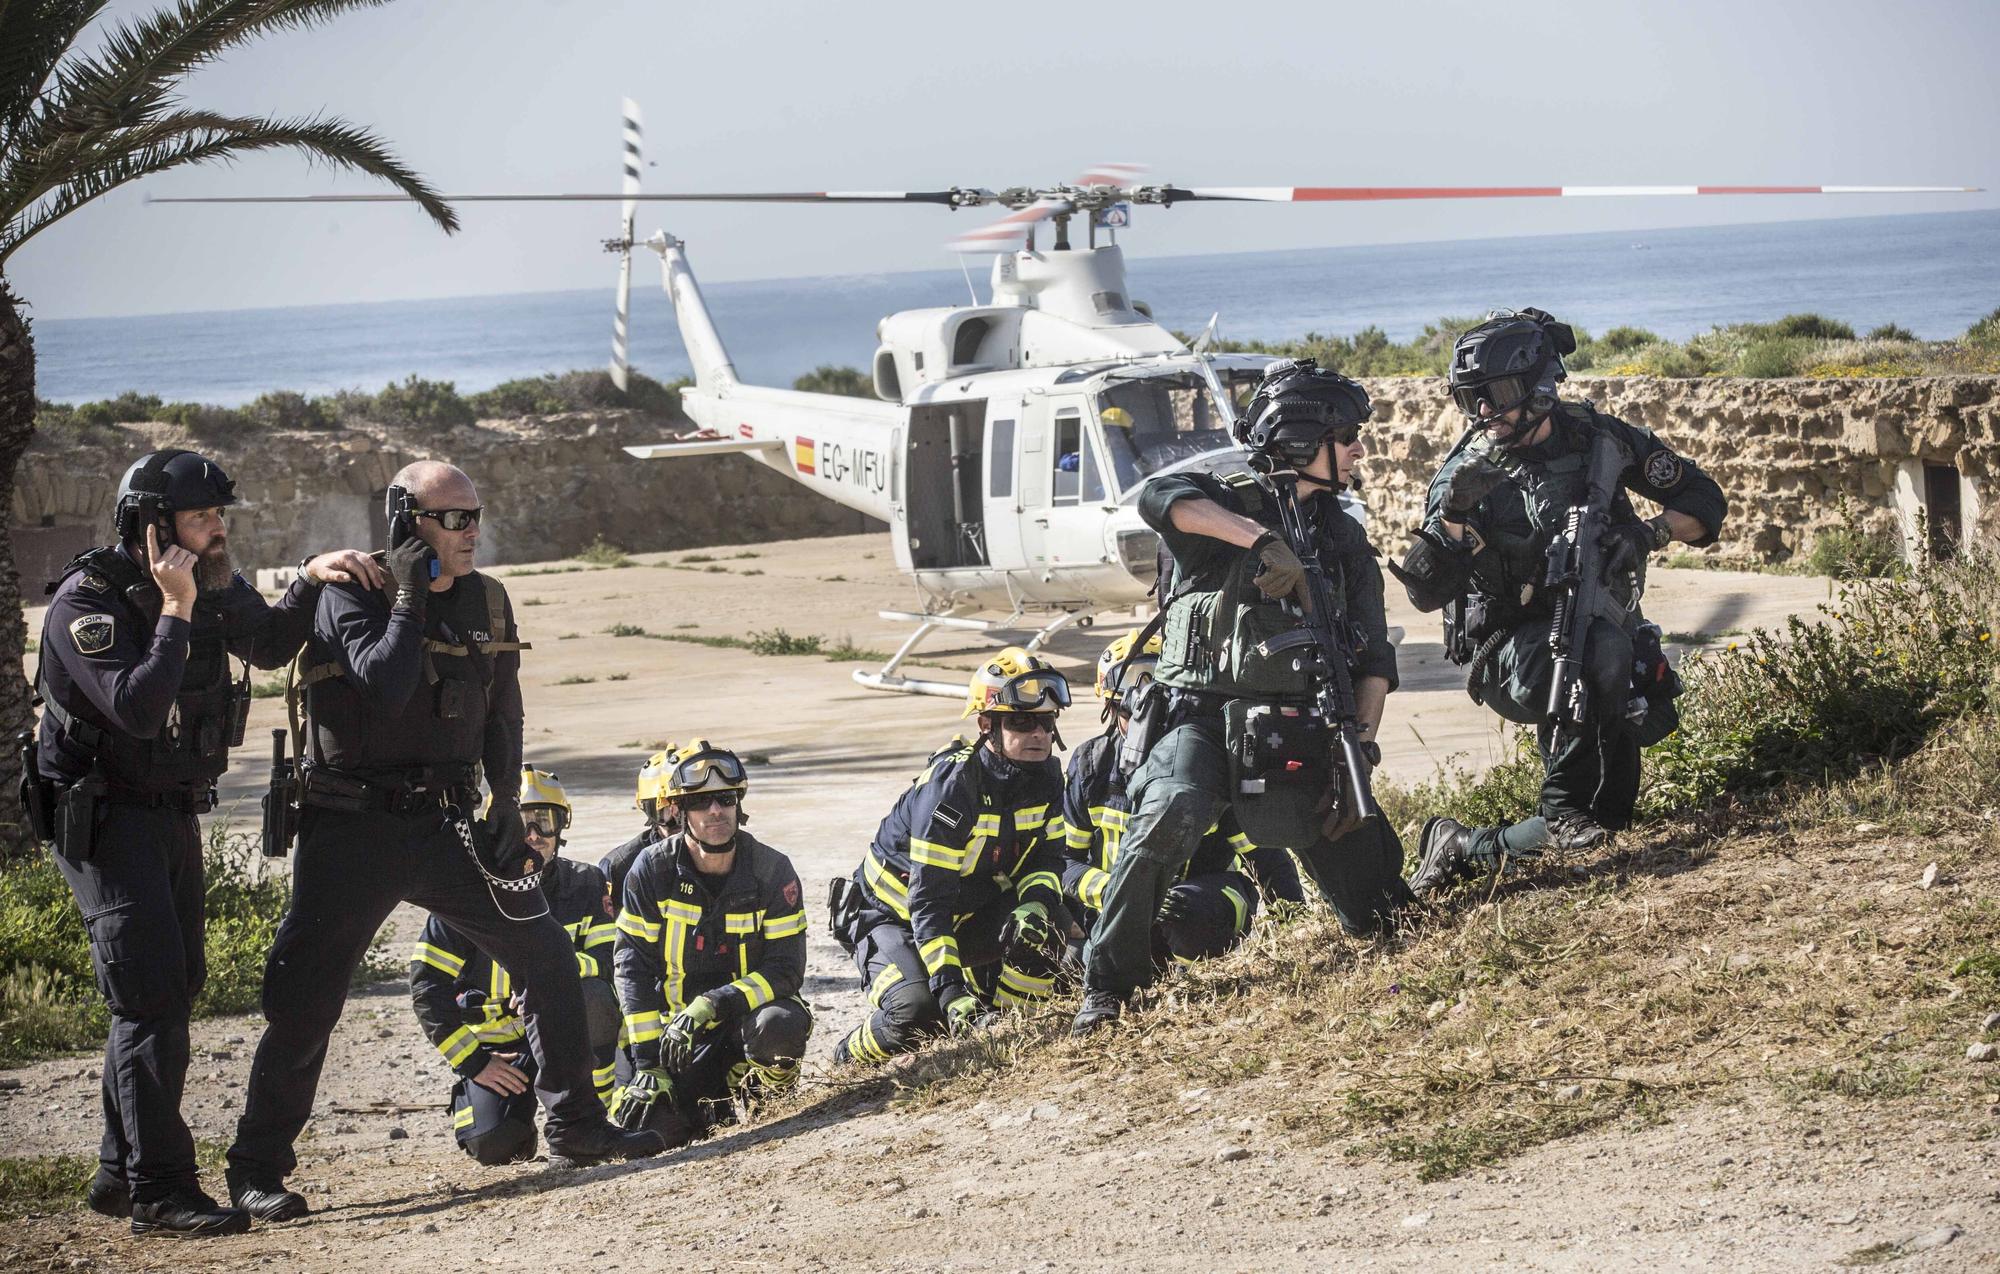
(401,508)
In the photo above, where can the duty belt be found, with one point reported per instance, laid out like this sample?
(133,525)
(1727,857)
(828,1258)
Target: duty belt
(409,792)
(182,800)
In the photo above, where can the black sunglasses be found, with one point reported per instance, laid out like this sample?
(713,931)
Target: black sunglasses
(1023,722)
(706,800)
(452,519)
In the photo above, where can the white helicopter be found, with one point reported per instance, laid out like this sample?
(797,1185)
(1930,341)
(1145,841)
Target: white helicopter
(1010,440)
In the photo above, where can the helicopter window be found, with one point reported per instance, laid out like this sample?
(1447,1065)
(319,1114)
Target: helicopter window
(1154,422)
(1001,464)
(1068,453)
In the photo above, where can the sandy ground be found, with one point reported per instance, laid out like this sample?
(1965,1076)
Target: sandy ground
(1717,1188)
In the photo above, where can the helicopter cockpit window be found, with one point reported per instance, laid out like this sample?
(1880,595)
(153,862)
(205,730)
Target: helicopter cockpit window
(1068,476)
(1154,422)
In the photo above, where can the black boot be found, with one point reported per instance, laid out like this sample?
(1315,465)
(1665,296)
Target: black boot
(601,1143)
(1100,1009)
(187,1213)
(266,1199)
(108,1196)
(1574,832)
(1443,856)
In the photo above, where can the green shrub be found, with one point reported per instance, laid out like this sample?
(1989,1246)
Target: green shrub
(1812,327)
(1891,332)
(598,553)
(1986,332)
(1844,553)
(1772,356)
(846,381)
(432,404)
(779,642)
(283,409)
(1623,340)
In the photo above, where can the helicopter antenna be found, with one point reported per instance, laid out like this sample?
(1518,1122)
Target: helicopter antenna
(965,270)
(627,210)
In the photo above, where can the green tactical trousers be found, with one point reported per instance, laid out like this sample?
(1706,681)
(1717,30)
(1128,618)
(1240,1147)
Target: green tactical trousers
(1176,795)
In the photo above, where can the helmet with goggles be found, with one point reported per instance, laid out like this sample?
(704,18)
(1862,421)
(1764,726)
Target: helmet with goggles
(1296,406)
(1112,679)
(1512,359)
(651,788)
(1016,680)
(542,793)
(701,767)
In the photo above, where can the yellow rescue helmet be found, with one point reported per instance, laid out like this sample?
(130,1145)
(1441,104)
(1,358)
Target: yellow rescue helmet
(1145,663)
(652,785)
(542,788)
(1016,680)
(1116,417)
(702,767)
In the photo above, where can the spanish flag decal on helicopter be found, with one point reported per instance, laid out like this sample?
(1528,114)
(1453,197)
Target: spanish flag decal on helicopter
(802,455)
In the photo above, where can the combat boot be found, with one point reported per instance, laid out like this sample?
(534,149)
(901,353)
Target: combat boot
(1573,832)
(1444,856)
(187,1213)
(266,1200)
(1100,1009)
(602,1143)
(108,1196)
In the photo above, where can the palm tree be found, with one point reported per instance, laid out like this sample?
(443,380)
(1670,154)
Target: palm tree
(74,126)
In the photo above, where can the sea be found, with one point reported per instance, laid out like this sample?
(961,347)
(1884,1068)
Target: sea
(1932,273)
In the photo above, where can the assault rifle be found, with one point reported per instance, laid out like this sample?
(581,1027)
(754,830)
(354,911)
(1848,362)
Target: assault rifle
(1325,629)
(1575,578)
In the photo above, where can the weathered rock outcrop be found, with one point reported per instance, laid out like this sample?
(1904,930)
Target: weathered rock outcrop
(1796,457)
(550,487)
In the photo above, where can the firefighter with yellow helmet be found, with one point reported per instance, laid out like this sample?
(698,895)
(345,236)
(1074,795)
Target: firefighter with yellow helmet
(957,907)
(711,955)
(1209,908)
(468,1005)
(662,819)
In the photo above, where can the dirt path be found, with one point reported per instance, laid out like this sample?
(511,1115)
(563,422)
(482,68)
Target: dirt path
(1066,1181)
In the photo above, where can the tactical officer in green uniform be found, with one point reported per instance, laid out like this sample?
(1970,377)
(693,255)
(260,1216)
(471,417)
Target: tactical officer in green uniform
(1239,586)
(1503,494)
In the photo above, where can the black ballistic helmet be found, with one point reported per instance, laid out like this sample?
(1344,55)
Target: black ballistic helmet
(1512,359)
(1296,407)
(162,482)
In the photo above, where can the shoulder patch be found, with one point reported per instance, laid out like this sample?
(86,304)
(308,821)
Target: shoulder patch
(1664,469)
(791,893)
(950,815)
(92,634)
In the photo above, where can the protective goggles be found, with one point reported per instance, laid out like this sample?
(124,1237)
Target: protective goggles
(1497,397)
(544,822)
(451,519)
(706,800)
(693,774)
(1029,691)
(1027,722)
(1132,673)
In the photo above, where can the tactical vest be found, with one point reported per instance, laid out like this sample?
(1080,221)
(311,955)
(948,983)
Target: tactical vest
(1213,640)
(1511,568)
(209,710)
(453,672)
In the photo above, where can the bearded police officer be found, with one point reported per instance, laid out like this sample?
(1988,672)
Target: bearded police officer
(409,699)
(1505,492)
(1240,588)
(141,710)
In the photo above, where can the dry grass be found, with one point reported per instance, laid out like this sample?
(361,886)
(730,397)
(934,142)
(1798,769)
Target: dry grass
(1789,948)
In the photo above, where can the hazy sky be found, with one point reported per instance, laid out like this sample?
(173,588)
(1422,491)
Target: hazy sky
(486,95)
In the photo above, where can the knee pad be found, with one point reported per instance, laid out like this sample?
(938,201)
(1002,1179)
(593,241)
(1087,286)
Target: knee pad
(775,1035)
(511,1142)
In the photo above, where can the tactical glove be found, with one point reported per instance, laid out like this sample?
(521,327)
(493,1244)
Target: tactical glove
(1175,907)
(1029,927)
(962,1014)
(1625,546)
(1470,484)
(677,1041)
(1283,574)
(631,1104)
(409,566)
(500,835)
(1434,570)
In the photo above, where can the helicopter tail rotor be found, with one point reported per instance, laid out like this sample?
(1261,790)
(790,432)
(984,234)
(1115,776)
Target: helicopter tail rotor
(633,134)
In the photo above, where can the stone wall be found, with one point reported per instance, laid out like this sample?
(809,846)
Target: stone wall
(550,487)
(1795,457)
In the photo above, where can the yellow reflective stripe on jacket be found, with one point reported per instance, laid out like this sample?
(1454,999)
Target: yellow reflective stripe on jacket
(1029,818)
(887,978)
(889,891)
(640,1027)
(438,958)
(637,927)
(463,1117)
(1090,887)
(678,920)
(940,953)
(1076,836)
(756,989)
(1038,880)
(1017,987)
(459,1045)
(1241,843)
(931,854)
(784,926)
(742,921)
(1242,906)
(586,965)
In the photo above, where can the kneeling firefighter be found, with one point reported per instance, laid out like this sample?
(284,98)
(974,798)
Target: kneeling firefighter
(1271,680)
(711,955)
(957,907)
(469,1007)
(1209,908)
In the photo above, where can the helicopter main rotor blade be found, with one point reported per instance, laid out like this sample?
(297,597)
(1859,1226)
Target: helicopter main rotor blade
(633,137)
(946,197)
(1366,194)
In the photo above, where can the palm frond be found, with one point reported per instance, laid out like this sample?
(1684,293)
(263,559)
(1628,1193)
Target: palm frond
(34,35)
(185,138)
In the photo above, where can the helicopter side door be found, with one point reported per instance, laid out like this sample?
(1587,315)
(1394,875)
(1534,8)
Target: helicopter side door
(1064,499)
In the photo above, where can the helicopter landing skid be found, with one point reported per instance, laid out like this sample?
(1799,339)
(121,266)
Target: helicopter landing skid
(889,679)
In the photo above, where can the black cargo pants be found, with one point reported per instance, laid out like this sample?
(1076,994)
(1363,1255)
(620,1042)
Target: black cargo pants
(350,871)
(141,894)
